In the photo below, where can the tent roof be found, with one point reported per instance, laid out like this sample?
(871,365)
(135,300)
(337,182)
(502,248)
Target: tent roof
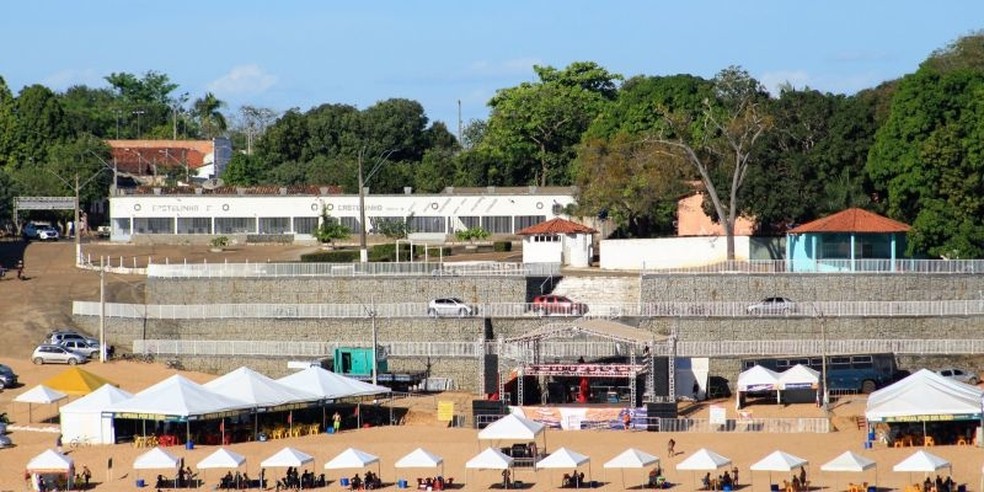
(98,400)
(703,459)
(757,377)
(420,458)
(351,458)
(76,381)
(924,393)
(40,394)
(601,328)
(178,396)
(556,226)
(257,389)
(490,459)
(798,374)
(156,459)
(50,460)
(512,426)
(632,458)
(287,457)
(222,458)
(921,461)
(563,458)
(329,385)
(779,461)
(849,461)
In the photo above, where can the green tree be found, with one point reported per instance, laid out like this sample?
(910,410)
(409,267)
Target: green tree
(330,229)
(244,170)
(927,159)
(207,112)
(721,144)
(533,128)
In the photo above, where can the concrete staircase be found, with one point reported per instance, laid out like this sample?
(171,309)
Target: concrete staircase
(599,292)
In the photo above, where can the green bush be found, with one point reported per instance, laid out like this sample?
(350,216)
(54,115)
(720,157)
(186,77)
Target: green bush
(475,233)
(502,246)
(220,242)
(341,256)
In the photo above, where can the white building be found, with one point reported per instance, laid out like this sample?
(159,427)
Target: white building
(558,241)
(297,210)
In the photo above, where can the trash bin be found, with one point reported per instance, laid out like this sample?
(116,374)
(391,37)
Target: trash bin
(330,430)
(344,482)
(140,483)
(401,483)
(189,444)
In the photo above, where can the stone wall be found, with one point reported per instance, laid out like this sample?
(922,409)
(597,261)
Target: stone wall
(811,287)
(335,290)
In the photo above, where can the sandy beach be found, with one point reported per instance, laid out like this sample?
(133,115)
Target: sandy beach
(457,445)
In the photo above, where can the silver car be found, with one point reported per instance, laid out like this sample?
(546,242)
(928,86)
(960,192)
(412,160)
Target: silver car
(450,306)
(772,306)
(56,354)
(86,347)
(962,375)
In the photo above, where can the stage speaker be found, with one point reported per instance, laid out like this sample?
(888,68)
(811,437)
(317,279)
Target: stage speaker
(659,410)
(488,409)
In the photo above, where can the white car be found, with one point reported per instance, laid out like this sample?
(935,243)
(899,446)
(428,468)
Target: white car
(47,233)
(450,306)
(85,347)
(772,306)
(961,375)
(47,353)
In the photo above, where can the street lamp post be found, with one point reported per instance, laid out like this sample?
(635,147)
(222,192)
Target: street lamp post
(823,357)
(363,249)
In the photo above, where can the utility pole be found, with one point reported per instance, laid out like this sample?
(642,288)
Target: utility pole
(363,250)
(75,227)
(102,310)
(375,341)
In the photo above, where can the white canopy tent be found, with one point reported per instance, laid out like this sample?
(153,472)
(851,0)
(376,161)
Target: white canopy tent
(512,427)
(287,457)
(257,389)
(490,459)
(756,379)
(40,394)
(222,458)
(800,384)
(703,460)
(49,465)
(565,458)
(631,458)
(156,459)
(329,385)
(921,461)
(779,461)
(850,462)
(83,418)
(351,458)
(421,458)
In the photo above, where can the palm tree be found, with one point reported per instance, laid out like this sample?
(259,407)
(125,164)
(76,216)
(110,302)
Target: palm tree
(212,121)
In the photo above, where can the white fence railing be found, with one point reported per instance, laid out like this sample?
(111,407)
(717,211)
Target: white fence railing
(838,309)
(830,266)
(564,350)
(767,425)
(436,269)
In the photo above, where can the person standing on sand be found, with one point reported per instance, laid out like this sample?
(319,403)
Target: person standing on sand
(58,443)
(20,269)
(336,422)
(669,448)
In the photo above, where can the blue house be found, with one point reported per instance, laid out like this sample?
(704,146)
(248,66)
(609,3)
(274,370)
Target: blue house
(851,240)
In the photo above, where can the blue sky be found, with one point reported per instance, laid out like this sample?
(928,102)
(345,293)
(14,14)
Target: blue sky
(284,54)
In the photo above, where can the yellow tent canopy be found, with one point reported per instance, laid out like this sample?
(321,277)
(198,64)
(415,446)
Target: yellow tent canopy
(75,381)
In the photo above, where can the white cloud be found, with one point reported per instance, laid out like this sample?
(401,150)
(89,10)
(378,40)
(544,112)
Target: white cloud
(64,79)
(243,79)
(774,80)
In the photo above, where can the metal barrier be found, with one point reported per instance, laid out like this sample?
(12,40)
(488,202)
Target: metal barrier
(828,267)
(845,309)
(766,425)
(387,269)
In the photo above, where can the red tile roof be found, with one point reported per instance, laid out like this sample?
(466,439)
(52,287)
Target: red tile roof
(852,220)
(556,226)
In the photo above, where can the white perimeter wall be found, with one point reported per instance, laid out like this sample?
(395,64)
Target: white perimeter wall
(670,252)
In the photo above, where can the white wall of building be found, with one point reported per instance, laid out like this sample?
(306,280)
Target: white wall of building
(542,251)
(496,213)
(670,252)
(577,250)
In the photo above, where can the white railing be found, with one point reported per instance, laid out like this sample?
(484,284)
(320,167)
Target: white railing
(767,425)
(563,350)
(413,269)
(829,266)
(830,309)
(301,349)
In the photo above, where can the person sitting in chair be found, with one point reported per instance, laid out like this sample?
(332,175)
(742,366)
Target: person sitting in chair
(356,482)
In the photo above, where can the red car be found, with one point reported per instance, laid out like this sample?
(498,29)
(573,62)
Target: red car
(554,304)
